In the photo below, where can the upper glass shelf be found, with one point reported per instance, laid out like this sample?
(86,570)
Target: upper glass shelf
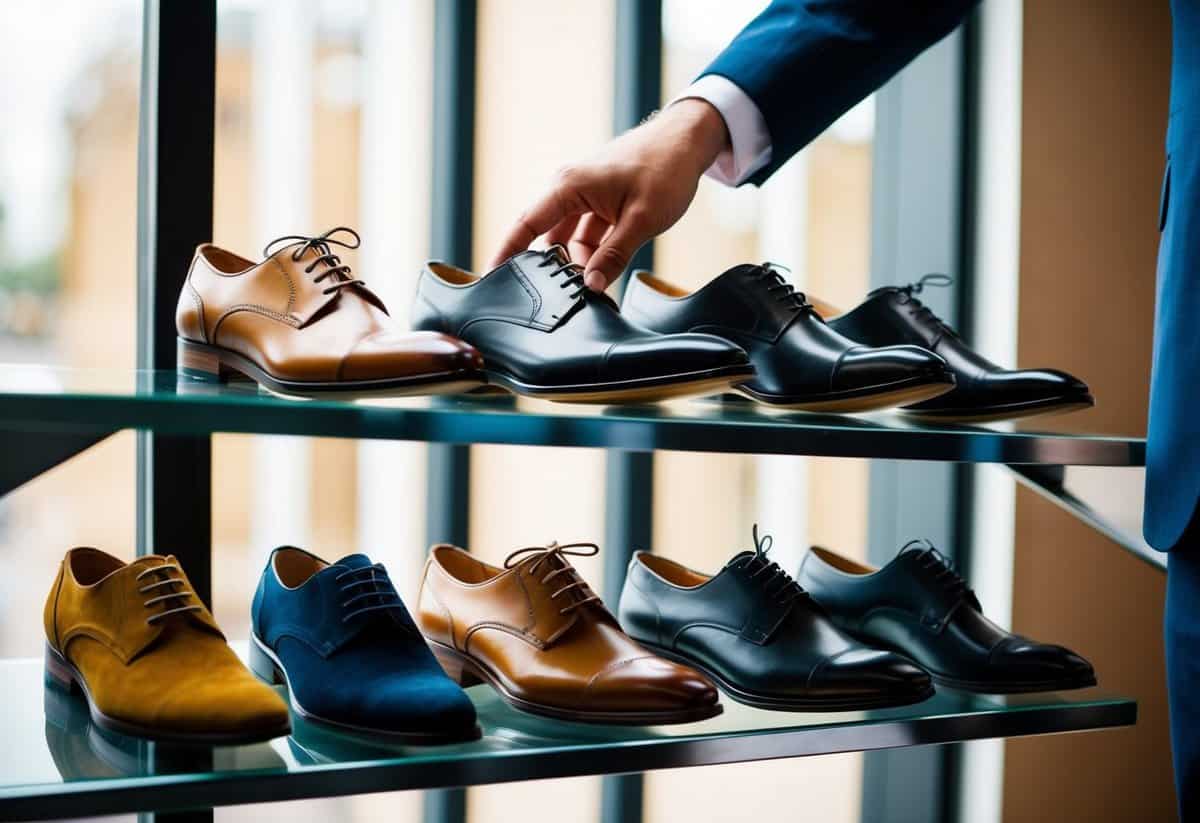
(56,763)
(38,398)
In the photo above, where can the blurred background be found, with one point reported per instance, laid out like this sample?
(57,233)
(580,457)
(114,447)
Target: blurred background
(322,114)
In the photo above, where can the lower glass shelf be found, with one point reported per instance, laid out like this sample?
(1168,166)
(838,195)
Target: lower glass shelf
(56,763)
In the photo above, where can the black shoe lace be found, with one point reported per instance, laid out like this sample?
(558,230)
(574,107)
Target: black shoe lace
(922,312)
(322,244)
(557,255)
(769,276)
(940,567)
(777,583)
(173,599)
(563,567)
(367,589)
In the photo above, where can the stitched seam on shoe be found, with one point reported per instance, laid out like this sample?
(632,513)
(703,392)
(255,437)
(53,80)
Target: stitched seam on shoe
(274,315)
(702,625)
(616,664)
(504,627)
(837,364)
(199,307)
(291,286)
(62,572)
(529,289)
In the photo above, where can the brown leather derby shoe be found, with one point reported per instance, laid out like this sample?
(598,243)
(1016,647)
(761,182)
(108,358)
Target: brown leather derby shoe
(537,633)
(299,323)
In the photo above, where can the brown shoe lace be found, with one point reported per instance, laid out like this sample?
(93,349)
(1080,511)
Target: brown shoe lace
(559,552)
(322,244)
(174,599)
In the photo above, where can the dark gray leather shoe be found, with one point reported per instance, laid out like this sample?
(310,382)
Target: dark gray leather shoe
(753,631)
(983,391)
(799,361)
(543,333)
(919,606)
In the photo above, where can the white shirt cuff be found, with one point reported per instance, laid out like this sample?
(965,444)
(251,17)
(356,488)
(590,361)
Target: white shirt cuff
(750,142)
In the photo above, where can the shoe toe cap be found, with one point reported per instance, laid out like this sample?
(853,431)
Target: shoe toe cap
(648,684)
(394,354)
(864,366)
(1021,660)
(671,354)
(1034,384)
(865,672)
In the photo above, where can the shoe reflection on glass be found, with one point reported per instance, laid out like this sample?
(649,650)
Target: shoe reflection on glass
(83,750)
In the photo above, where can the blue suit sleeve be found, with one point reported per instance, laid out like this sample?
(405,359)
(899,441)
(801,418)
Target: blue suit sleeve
(804,63)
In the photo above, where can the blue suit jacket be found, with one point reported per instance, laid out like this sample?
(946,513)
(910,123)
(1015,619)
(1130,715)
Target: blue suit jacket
(842,50)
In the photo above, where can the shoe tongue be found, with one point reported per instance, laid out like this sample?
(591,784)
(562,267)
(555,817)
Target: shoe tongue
(353,561)
(739,558)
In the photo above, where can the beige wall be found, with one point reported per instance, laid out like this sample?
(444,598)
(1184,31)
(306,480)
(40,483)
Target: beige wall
(1094,116)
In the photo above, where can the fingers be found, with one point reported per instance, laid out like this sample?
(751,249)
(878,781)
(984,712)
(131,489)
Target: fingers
(561,234)
(588,235)
(617,249)
(555,206)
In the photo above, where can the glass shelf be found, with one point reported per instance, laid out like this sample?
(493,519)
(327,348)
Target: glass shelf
(57,764)
(43,399)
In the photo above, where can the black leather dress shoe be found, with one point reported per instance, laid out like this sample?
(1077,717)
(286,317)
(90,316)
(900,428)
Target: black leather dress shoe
(919,606)
(984,391)
(753,631)
(543,333)
(799,361)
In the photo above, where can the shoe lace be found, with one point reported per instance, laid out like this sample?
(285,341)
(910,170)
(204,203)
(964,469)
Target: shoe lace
(777,583)
(922,312)
(323,245)
(367,589)
(940,566)
(557,255)
(563,567)
(770,276)
(174,599)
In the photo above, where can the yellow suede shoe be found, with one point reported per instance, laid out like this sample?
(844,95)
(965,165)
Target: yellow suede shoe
(148,656)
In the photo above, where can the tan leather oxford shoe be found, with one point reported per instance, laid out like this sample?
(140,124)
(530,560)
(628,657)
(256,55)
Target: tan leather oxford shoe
(537,633)
(299,323)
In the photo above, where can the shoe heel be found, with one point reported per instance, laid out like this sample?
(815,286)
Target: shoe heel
(454,666)
(58,671)
(197,360)
(264,667)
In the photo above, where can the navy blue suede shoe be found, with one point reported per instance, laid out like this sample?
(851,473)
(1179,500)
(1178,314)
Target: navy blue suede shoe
(339,637)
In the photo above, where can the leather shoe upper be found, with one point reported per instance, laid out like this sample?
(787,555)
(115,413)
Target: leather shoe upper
(893,314)
(760,633)
(300,316)
(546,637)
(538,326)
(917,604)
(797,357)
(351,653)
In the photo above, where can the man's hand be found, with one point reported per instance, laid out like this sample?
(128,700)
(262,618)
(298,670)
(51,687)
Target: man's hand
(640,184)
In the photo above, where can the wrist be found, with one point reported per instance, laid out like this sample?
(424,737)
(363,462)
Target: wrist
(700,128)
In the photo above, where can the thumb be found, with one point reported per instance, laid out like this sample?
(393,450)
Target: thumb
(611,258)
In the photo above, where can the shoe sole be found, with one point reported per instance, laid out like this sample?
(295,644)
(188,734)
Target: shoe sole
(1014,411)
(213,363)
(984,687)
(873,398)
(64,674)
(267,667)
(467,672)
(808,704)
(644,390)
